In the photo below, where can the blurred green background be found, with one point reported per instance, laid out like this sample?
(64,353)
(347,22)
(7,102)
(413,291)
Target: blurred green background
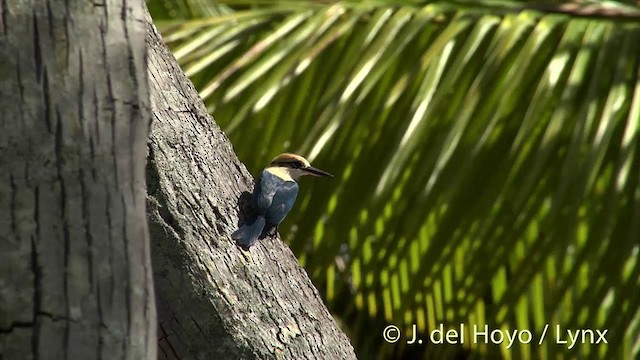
(486,158)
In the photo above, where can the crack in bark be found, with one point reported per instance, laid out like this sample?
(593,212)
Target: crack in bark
(81,91)
(59,160)
(86,215)
(92,153)
(112,280)
(105,58)
(95,116)
(16,325)
(131,57)
(47,100)
(12,206)
(165,337)
(37,295)
(101,322)
(50,20)
(19,75)
(134,106)
(67,19)
(34,324)
(127,286)
(36,47)
(197,325)
(4,9)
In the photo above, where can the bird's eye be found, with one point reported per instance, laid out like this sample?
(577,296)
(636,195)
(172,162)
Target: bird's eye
(299,165)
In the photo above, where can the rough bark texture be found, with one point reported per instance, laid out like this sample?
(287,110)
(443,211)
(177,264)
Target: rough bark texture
(75,275)
(214,300)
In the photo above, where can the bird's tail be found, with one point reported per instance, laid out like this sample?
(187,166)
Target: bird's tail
(248,234)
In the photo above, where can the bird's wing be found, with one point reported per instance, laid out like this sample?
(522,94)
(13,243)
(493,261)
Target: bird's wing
(265,190)
(282,202)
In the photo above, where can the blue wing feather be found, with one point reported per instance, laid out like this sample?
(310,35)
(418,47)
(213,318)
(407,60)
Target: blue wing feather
(282,203)
(274,197)
(265,190)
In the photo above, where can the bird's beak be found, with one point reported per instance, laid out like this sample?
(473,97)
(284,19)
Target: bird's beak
(316,172)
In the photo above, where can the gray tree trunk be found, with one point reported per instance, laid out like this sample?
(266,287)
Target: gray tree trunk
(214,300)
(75,275)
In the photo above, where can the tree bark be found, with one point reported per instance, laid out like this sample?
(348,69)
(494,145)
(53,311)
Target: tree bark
(75,274)
(216,301)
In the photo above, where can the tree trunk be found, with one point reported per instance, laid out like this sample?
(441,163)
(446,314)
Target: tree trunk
(216,301)
(75,275)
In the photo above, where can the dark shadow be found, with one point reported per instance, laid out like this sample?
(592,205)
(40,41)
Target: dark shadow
(247,214)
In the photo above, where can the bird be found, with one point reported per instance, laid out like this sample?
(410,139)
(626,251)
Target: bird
(274,195)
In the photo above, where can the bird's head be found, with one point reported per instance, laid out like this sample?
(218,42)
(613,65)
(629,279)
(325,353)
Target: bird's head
(296,166)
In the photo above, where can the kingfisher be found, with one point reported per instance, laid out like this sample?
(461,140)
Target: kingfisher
(274,195)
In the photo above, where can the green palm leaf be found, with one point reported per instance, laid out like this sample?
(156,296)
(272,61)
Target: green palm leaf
(488,159)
